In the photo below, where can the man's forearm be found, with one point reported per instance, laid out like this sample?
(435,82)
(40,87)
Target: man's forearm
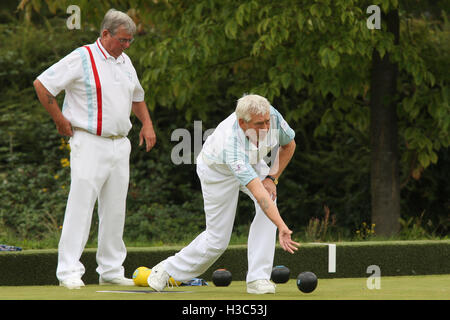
(141,112)
(48,101)
(283,158)
(267,205)
(63,125)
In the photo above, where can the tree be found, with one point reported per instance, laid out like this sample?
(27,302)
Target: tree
(320,51)
(306,57)
(385,185)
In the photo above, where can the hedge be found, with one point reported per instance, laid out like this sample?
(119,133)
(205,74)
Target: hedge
(38,267)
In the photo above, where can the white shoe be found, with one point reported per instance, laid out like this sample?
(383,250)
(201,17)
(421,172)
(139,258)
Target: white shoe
(121,281)
(260,287)
(158,278)
(74,283)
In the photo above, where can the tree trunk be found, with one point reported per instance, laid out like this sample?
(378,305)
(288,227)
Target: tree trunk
(385,189)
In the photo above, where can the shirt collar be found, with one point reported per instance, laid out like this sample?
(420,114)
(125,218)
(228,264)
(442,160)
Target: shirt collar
(104,53)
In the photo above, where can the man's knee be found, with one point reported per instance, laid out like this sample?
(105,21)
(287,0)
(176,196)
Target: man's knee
(218,244)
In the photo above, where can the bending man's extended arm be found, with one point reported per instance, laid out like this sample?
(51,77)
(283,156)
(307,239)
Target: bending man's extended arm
(270,209)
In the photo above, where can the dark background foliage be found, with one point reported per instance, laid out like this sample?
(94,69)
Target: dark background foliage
(323,194)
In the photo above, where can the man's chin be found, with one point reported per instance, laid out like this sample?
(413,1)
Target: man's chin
(117,54)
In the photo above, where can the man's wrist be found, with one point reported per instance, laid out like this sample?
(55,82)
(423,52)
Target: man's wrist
(148,123)
(275,180)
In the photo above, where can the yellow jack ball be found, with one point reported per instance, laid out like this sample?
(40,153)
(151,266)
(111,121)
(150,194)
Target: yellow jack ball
(141,274)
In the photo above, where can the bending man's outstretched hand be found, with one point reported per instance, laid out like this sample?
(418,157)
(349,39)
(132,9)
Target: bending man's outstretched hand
(284,236)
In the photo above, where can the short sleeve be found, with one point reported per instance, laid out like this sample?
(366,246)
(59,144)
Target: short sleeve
(286,132)
(138,92)
(238,162)
(59,76)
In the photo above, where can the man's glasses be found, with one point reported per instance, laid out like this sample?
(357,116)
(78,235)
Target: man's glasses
(123,40)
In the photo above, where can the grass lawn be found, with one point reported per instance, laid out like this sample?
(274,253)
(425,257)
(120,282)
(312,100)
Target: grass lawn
(434,287)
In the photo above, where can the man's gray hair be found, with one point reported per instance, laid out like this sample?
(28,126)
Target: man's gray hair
(251,104)
(114,19)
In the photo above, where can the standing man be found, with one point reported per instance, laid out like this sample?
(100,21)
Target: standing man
(232,160)
(101,88)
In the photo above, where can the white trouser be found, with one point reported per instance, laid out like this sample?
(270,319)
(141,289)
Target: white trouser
(99,170)
(220,195)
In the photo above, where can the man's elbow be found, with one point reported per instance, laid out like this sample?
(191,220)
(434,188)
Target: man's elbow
(290,146)
(37,85)
(294,145)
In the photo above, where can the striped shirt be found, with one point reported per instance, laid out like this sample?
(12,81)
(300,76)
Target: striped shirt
(230,152)
(99,89)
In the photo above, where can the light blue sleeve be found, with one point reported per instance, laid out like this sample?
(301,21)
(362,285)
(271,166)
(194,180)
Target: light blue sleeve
(286,132)
(238,162)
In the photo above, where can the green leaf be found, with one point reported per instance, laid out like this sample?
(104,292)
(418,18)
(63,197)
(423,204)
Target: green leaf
(323,51)
(300,20)
(382,51)
(424,159)
(385,5)
(285,80)
(191,55)
(409,134)
(315,10)
(324,56)
(262,26)
(272,73)
(335,88)
(284,34)
(431,78)
(327,117)
(433,157)
(240,12)
(231,29)
(343,16)
(408,103)
(299,83)
(198,10)
(333,58)
(176,89)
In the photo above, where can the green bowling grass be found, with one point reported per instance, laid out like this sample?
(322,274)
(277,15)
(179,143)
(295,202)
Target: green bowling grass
(436,287)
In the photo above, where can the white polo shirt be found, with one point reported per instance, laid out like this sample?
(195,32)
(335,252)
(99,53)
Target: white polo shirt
(99,89)
(228,151)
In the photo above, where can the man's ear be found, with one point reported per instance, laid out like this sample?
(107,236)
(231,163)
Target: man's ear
(104,33)
(242,124)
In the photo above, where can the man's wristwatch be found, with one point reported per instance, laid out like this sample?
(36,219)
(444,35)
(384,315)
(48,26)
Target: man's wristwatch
(275,180)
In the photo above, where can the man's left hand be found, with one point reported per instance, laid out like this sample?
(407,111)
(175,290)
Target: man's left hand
(270,187)
(148,134)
